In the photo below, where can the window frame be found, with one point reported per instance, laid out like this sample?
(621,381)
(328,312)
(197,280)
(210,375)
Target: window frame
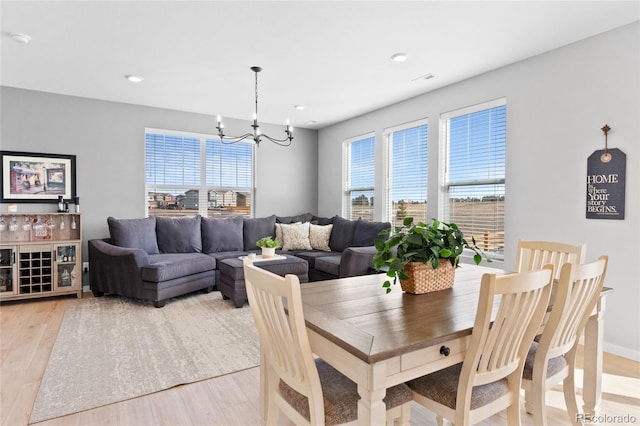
(347,207)
(444,182)
(387,206)
(202,188)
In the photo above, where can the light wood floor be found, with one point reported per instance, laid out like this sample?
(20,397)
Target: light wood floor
(28,331)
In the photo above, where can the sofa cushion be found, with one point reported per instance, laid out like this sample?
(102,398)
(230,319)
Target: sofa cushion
(254,229)
(295,236)
(329,264)
(134,233)
(179,234)
(311,256)
(319,236)
(342,233)
(305,217)
(166,267)
(222,234)
(367,232)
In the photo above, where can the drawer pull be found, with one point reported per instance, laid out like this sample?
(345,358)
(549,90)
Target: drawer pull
(445,350)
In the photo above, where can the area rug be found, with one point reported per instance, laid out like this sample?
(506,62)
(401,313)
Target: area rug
(111,349)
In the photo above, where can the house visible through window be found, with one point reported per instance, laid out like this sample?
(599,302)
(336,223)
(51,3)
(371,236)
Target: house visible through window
(187,174)
(406,192)
(474,173)
(359,158)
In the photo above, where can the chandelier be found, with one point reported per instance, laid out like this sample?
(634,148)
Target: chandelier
(256,135)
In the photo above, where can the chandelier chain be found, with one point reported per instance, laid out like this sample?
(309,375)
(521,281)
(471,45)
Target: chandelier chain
(256,95)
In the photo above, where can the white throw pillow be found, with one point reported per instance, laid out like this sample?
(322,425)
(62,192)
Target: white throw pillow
(295,236)
(319,236)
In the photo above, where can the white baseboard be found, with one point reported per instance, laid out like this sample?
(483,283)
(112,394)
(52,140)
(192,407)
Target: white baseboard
(622,351)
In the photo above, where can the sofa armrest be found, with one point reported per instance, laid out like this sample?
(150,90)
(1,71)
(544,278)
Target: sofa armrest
(115,269)
(357,261)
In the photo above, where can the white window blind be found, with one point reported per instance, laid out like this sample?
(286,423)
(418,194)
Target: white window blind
(474,180)
(407,181)
(188,174)
(359,156)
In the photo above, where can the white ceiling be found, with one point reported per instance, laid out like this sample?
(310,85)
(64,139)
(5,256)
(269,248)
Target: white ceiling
(331,56)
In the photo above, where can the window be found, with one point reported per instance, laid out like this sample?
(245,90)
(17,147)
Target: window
(187,174)
(359,157)
(406,192)
(474,173)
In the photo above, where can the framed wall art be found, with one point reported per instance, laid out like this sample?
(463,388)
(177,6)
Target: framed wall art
(29,177)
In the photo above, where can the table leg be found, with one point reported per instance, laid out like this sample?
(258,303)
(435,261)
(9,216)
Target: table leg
(371,408)
(372,390)
(592,377)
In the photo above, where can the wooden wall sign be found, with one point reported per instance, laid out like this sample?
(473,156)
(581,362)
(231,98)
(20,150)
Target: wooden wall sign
(606,170)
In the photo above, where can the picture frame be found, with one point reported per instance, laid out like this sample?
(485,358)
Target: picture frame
(28,177)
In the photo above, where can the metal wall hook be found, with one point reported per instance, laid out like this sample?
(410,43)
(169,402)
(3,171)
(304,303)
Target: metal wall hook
(606,157)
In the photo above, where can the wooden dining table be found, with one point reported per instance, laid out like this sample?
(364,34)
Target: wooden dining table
(379,340)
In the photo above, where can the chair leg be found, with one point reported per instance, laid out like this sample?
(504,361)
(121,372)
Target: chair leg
(528,404)
(439,421)
(569,387)
(405,414)
(513,413)
(513,410)
(273,411)
(538,400)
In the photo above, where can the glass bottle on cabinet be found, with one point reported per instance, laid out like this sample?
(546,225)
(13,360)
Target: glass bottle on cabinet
(66,265)
(7,259)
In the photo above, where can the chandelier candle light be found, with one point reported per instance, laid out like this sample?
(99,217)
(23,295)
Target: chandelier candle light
(256,135)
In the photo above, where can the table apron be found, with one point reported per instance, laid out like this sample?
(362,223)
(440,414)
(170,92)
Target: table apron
(391,371)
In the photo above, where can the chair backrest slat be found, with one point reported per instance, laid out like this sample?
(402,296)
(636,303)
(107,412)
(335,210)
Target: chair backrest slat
(532,255)
(498,348)
(579,287)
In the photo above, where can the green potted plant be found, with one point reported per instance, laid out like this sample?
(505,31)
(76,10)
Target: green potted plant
(268,246)
(423,257)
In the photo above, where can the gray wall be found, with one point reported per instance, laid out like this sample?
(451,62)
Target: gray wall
(556,104)
(108,141)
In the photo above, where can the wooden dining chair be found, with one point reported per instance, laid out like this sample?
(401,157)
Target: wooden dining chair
(532,255)
(308,391)
(553,357)
(489,378)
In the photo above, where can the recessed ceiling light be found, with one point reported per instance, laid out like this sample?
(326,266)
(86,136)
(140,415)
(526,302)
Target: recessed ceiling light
(399,57)
(134,78)
(311,122)
(299,107)
(20,38)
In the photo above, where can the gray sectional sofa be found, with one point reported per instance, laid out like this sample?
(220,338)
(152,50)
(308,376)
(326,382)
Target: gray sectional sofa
(157,258)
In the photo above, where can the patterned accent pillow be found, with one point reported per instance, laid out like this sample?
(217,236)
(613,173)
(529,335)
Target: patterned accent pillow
(319,236)
(279,238)
(295,236)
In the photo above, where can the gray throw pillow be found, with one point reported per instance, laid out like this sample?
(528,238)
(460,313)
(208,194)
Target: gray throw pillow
(316,220)
(367,232)
(342,233)
(222,234)
(179,234)
(134,233)
(254,229)
(305,217)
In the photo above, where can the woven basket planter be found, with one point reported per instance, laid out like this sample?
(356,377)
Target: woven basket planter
(424,279)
